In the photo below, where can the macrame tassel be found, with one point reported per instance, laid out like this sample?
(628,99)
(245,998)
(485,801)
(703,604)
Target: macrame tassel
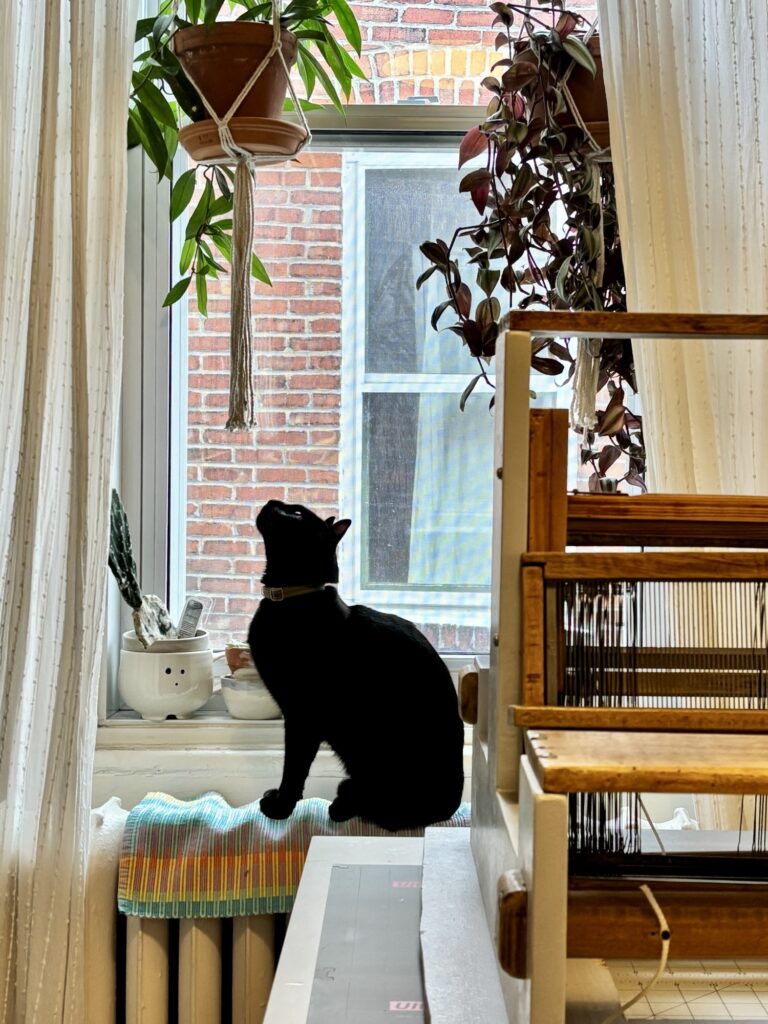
(587,373)
(599,271)
(585,378)
(241,401)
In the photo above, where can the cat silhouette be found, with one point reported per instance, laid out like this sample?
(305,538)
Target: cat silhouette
(366,682)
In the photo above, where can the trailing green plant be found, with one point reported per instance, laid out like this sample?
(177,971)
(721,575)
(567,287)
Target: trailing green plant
(548,235)
(162,94)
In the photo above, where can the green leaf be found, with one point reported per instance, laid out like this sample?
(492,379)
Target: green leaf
(221,181)
(352,66)
(151,137)
(132,135)
(187,255)
(487,279)
(223,243)
(193,10)
(322,74)
(223,204)
(144,28)
(289,108)
(348,24)
(261,12)
(306,73)
(212,267)
(332,56)
(158,106)
(315,34)
(201,286)
(182,192)
(177,291)
(200,213)
(160,27)
(576,49)
(211,9)
(171,136)
(258,270)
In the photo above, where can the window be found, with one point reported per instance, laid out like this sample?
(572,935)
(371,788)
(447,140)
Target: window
(359,413)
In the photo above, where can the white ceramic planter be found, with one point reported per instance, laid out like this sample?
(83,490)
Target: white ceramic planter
(173,677)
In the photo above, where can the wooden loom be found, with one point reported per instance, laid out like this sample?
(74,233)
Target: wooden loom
(637,672)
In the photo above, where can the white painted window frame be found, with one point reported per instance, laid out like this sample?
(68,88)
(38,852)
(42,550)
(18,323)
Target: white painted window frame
(150,459)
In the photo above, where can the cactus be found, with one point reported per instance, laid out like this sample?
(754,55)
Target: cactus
(151,619)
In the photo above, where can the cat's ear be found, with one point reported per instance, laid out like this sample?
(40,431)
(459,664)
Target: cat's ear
(340,528)
(329,520)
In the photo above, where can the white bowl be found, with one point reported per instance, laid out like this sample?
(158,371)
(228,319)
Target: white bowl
(248,698)
(172,677)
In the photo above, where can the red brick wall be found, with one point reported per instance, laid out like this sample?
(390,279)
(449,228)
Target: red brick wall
(410,49)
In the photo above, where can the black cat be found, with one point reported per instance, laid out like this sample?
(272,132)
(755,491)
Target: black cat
(368,683)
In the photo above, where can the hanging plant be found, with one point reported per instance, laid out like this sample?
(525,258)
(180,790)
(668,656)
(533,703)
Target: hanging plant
(548,235)
(163,94)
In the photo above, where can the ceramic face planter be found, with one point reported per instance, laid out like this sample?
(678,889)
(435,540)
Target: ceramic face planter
(172,677)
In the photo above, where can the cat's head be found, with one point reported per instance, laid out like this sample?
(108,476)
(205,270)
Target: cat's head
(300,546)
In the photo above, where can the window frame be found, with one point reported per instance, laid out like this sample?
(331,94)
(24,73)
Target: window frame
(150,459)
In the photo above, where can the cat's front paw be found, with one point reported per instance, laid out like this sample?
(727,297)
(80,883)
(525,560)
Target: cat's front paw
(341,809)
(275,806)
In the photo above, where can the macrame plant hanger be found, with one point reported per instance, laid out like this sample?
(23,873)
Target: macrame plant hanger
(242,412)
(583,412)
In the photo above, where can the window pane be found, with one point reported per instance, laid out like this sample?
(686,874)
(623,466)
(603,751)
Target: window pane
(428,484)
(403,208)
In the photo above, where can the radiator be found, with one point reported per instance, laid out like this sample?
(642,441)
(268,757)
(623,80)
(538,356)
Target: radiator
(141,971)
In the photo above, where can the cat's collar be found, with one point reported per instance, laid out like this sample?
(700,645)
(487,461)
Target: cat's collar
(283,593)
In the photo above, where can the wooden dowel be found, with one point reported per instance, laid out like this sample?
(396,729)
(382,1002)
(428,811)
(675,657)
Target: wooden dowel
(639,325)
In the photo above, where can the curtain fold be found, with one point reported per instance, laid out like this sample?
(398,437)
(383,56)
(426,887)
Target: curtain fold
(64,81)
(687,85)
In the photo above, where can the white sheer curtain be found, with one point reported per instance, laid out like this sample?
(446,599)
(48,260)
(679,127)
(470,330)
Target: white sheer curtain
(64,80)
(687,84)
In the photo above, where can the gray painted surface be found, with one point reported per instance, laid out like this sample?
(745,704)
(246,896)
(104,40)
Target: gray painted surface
(368,964)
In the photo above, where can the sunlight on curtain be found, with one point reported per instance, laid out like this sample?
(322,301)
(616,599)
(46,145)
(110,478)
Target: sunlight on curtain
(687,82)
(64,80)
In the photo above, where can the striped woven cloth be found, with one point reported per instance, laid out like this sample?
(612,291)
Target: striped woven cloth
(203,858)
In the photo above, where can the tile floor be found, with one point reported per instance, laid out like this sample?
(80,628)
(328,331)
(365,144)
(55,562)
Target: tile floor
(704,991)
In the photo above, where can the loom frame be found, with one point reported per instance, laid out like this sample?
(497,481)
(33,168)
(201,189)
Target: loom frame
(515,819)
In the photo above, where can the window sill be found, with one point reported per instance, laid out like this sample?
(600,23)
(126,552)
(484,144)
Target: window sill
(210,751)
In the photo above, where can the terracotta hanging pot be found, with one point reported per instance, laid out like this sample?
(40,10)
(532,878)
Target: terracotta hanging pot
(588,94)
(589,98)
(219,59)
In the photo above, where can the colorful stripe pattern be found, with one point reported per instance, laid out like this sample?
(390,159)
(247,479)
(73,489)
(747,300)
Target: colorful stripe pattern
(203,858)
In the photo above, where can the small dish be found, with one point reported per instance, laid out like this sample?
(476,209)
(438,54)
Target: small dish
(246,696)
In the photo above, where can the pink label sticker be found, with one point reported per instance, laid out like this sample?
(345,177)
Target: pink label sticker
(406,884)
(396,1005)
